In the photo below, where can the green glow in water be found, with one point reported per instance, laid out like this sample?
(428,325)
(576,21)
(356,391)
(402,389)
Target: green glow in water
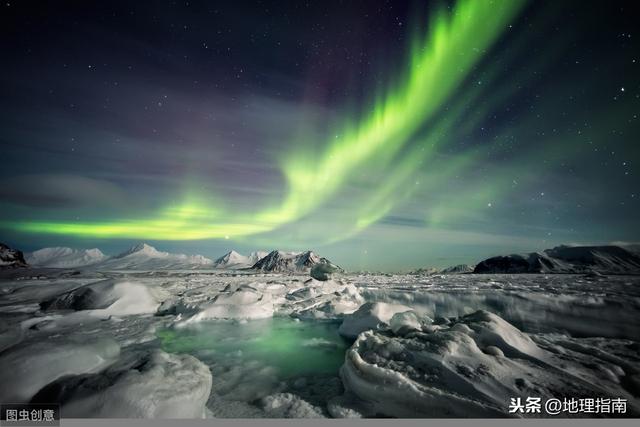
(293,348)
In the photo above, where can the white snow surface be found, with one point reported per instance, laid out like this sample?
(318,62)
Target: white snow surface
(287,405)
(244,303)
(425,346)
(27,367)
(471,368)
(369,316)
(108,298)
(406,321)
(155,385)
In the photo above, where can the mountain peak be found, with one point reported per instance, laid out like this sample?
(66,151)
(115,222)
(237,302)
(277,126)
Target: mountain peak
(140,248)
(11,258)
(231,258)
(289,261)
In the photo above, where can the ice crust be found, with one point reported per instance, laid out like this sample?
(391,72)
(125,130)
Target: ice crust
(29,366)
(146,385)
(369,316)
(423,346)
(468,368)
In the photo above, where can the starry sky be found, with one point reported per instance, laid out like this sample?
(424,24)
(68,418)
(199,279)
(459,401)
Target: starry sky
(385,135)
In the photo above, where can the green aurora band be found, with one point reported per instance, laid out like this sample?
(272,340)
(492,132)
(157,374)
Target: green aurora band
(387,142)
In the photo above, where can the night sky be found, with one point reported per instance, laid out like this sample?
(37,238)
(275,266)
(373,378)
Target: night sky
(384,135)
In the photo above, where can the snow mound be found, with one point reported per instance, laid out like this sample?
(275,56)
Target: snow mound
(148,385)
(323,271)
(468,368)
(11,258)
(29,366)
(176,306)
(241,303)
(287,405)
(106,297)
(326,300)
(404,322)
(61,257)
(370,315)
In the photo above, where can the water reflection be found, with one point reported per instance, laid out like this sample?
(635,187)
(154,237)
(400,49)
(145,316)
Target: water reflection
(250,360)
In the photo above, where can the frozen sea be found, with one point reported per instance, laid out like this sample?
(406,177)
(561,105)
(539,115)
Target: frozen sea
(234,344)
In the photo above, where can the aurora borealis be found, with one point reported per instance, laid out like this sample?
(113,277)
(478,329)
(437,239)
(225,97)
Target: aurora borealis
(387,135)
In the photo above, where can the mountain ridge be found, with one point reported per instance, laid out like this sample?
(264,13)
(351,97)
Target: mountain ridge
(605,259)
(280,261)
(64,257)
(11,258)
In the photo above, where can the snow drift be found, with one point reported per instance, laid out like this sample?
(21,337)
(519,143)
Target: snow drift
(244,302)
(29,366)
(469,367)
(369,316)
(106,297)
(147,385)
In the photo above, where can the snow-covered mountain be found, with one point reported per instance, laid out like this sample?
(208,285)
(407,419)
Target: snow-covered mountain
(257,256)
(138,257)
(279,261)
(146,257)
(233,259)
(11,258)
(566,259)
(60,257)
